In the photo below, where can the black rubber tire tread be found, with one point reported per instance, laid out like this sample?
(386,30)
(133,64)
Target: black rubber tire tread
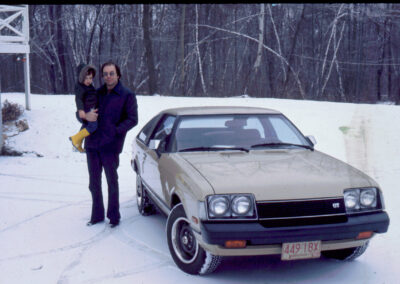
(204,262)
(349,254)
(145,208)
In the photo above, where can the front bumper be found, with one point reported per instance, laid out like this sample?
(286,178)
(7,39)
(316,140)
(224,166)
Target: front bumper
(216,233)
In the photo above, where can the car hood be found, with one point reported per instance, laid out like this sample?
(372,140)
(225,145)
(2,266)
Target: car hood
(277,174)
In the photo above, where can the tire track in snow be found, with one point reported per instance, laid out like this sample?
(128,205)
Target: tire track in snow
(40,215)
(136,243)
(102,234)
(2,196)
(40,179)
(161,259)
(358,141)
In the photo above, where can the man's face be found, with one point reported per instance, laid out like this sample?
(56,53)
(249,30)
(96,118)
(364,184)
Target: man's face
(110,76)
(88,80)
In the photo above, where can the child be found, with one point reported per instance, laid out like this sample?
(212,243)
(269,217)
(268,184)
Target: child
(86,100)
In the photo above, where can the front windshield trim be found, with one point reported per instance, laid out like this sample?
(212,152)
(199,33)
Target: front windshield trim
(210,130)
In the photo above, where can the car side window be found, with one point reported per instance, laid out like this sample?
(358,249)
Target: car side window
(147,129)
(163,128)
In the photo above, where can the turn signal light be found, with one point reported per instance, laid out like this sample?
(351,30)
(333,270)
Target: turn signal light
(235,244)
(364,235)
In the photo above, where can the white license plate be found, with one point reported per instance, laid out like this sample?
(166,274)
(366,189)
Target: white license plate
(301,250)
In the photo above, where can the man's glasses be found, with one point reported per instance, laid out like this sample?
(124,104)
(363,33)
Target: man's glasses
(111,74)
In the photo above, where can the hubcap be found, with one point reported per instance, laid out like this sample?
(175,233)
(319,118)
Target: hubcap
(183,241)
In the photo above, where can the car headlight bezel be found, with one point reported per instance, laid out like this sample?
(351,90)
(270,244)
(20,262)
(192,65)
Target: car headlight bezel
(241,205)
(215,205)
(245,201)
(360,200)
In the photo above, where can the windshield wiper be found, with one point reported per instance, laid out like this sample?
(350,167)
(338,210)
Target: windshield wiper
(282,144)
(213,149)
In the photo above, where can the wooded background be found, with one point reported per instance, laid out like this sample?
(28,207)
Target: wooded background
(333,52)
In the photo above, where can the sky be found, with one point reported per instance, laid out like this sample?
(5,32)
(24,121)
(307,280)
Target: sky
(45,202)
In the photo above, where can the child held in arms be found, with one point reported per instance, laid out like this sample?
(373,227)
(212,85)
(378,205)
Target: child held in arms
(86,100)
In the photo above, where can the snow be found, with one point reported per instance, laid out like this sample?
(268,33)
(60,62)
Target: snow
(45,202)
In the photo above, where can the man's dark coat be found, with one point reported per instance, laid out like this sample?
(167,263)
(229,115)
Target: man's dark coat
(117,114)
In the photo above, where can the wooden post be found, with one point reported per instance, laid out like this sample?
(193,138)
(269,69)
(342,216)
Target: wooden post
(27,78)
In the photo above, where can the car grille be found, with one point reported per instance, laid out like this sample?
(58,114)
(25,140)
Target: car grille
(301,212)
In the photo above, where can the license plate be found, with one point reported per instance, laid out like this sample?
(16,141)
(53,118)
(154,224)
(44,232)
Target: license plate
(301,250)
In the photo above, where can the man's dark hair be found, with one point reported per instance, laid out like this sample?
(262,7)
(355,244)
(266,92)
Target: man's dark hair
(110,63)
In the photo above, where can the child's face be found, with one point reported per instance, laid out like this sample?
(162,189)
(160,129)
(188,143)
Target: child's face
(88,80)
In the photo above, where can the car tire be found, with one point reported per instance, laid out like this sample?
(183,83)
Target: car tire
(346,254)
(144,205)
(187,254)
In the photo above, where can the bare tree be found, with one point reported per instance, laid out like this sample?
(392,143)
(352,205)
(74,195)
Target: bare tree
(338,52)
(203,85)
(149,49)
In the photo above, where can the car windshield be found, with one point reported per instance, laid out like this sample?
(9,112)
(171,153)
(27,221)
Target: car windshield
(239,131)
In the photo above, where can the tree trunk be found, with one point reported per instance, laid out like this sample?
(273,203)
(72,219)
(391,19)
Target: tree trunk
(149,49)
(203,85)
(90,43)
(61,49)
(182,49)
(290,61)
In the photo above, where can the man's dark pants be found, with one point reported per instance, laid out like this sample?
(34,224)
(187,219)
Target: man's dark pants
(97,160)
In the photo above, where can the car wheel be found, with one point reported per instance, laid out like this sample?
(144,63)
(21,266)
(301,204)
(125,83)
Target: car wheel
(145,208)
(184,248)
(346,254)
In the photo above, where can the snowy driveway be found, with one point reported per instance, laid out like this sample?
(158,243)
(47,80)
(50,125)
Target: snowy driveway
(45,204)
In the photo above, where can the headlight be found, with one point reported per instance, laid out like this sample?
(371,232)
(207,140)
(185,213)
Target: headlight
(368,197)
(351,198)
(218,206)
(231,206)
(361,199)
(241,205)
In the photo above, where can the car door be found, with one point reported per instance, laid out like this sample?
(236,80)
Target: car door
(142,141)
(152,176)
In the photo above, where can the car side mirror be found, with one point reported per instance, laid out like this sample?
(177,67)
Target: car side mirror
(311,139)
(154,144)
(158,145)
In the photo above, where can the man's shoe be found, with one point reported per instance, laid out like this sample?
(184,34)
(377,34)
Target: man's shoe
(91,223)
(114,224)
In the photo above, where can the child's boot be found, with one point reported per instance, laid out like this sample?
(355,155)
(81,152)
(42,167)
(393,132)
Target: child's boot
(77,139)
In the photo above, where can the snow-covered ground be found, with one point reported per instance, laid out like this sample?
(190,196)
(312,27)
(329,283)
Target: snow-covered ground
(45,201)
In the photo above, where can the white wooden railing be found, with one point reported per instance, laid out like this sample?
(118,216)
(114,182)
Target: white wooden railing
(9,16)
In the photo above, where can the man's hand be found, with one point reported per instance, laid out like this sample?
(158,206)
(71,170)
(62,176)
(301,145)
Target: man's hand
(92,115)
(81,114)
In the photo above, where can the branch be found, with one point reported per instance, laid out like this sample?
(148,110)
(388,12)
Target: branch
(267,48)
(277,39)
(334,24)
(333,59)
(261,19)
(198,52)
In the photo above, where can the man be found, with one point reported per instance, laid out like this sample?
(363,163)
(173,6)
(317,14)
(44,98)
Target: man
(116,114)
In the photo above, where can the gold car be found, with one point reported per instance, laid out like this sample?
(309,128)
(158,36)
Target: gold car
(245,181)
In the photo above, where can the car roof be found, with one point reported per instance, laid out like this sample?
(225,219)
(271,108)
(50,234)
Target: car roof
(205,110)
